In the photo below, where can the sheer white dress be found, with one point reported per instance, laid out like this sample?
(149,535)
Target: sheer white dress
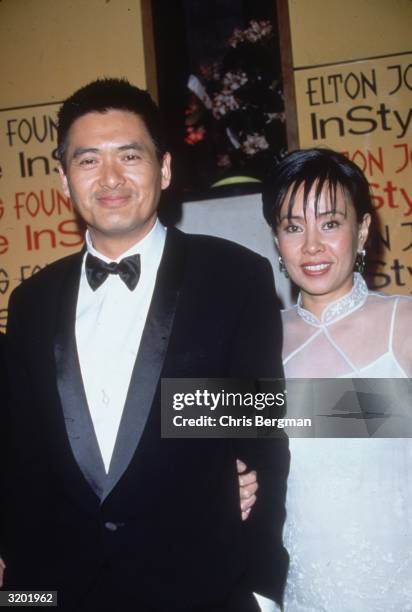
(349,504)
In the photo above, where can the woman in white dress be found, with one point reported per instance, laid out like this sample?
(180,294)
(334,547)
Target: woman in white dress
(349,504)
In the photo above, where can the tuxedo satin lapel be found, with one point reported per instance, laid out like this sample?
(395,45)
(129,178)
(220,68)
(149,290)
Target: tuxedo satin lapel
(78,422)
(150,358)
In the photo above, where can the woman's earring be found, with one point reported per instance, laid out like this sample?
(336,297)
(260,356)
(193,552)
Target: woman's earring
(360,262)
(282,266)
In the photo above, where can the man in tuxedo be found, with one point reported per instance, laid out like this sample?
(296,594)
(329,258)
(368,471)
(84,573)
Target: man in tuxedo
(98,505)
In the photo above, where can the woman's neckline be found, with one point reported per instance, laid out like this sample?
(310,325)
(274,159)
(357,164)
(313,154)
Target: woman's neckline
(338,309)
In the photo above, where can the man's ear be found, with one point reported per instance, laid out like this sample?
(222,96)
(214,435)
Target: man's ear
(64,182)
(166,170)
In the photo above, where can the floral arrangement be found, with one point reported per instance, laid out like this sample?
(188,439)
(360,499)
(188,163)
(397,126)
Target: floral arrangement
(236,108)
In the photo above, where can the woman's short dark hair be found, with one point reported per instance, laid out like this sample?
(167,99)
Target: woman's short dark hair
(319,169)
(107,94)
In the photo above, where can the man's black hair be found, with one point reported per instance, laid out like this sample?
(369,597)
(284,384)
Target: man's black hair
(107,94)
(319,169)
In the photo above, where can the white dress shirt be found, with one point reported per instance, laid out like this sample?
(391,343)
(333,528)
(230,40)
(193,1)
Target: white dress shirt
(109,327)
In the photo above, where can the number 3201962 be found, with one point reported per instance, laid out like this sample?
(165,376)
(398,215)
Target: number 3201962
(28,598)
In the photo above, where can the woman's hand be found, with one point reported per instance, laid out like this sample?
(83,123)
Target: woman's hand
(248,486)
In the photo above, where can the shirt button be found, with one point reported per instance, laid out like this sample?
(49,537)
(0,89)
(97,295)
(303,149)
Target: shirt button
(110,526)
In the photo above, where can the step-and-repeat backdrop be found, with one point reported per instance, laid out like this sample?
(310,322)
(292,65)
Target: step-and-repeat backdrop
(364,109)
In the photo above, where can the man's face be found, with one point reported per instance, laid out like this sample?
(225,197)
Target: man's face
(114,178)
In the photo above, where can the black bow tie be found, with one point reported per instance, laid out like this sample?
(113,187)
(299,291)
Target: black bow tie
(98,270)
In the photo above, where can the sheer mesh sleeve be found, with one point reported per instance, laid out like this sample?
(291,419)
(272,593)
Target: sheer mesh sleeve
(402,335)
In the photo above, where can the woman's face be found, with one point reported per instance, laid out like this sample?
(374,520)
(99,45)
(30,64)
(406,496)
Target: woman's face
(319,252)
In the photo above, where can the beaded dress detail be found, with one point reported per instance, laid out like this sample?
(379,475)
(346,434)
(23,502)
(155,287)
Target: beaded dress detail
(339,308)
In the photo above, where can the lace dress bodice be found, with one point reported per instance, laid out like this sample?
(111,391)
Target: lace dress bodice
(361,335)
(349,504)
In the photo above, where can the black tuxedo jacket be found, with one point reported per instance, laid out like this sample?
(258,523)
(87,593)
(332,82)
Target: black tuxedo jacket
(164,525)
